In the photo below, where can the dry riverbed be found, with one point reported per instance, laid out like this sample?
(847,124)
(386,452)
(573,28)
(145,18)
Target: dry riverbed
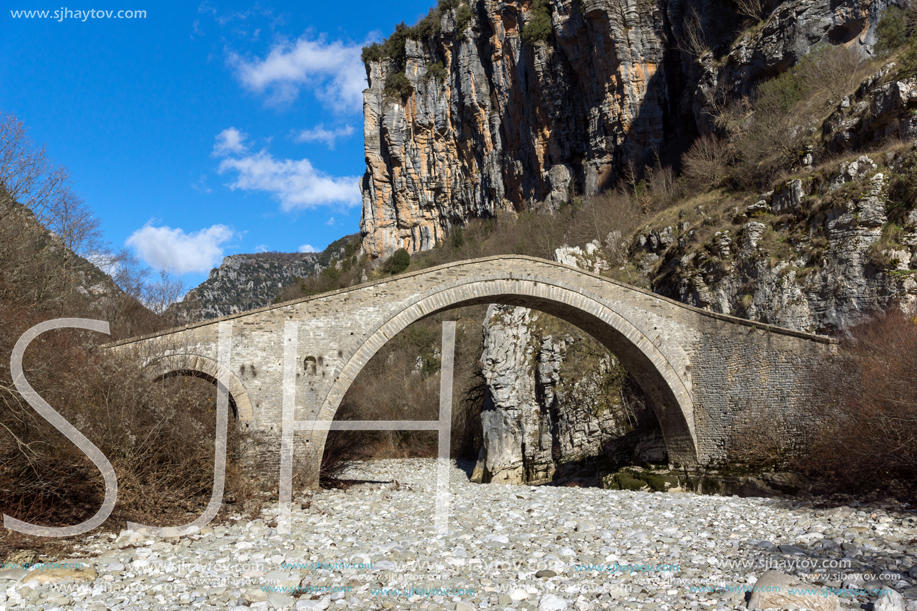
(374,546)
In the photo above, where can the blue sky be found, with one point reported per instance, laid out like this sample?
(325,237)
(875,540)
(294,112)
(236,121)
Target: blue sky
(201,130)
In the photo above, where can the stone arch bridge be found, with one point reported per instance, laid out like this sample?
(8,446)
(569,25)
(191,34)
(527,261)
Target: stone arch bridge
(704,372)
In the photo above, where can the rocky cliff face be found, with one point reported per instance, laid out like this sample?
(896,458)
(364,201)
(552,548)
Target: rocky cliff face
(555,399)
(499,117)
(534,419)
(821,254)
(823,251)
(247,282)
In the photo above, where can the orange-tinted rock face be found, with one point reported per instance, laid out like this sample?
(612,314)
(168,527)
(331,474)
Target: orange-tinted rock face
(512,126)
(518,126)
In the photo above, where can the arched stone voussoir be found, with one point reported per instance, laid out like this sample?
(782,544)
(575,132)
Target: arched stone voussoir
(671,396)
(176,364)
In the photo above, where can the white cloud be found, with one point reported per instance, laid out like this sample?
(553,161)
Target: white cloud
(307,248)
(178,252)
(333,70)
(295,183)
(320,134)
(229,142)
(330,221)
(261,248)
(201,185)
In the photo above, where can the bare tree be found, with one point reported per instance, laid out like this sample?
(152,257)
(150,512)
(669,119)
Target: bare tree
(73,222)
(833,72)
(706,163)
(755,9)
(867,408)
(127,272)
(26,174)
(694,39)
(159,296)
(30,178)
(662,184)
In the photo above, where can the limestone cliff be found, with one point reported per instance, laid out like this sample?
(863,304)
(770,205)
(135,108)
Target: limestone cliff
(517,104)
(532,419)
(820,254)
(555,399)
(247,282)
(823,251)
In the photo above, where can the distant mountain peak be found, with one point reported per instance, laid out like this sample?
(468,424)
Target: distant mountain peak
(245,282)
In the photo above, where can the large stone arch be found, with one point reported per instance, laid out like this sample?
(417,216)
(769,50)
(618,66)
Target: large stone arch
(201,366)
(669,392)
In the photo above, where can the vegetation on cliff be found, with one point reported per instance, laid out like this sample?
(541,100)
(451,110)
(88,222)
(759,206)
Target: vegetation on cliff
(392,49)
(538,28)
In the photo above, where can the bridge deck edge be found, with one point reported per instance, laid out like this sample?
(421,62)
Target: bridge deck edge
(823,339)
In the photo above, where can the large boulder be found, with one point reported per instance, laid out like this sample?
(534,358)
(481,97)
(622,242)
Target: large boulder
(776,590)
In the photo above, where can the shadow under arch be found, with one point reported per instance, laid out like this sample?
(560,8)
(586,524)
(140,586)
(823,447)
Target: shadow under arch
(206,369)
(670,396)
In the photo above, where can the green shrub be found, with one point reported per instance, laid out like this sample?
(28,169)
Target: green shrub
(780,94)
(458,237)
(437,71)
(352,248)
(463,18)
(891,32)
(394,45)
(373,53)
(331,273)
(392,48)
(539,26)
(908,62)
(397,84)
(429,26)
(398,262)
(902,193)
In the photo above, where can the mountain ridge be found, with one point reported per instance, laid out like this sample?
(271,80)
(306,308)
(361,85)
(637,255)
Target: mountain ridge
(249,281)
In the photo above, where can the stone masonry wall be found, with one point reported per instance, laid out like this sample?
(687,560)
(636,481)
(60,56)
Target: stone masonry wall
(669,348)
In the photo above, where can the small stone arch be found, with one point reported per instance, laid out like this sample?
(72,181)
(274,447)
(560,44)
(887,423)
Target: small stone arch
(208,369)
(671,396)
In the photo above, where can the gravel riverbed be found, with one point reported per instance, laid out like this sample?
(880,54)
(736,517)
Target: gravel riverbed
(374,546)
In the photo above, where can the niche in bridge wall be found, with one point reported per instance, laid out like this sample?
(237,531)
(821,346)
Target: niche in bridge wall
(312,365)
